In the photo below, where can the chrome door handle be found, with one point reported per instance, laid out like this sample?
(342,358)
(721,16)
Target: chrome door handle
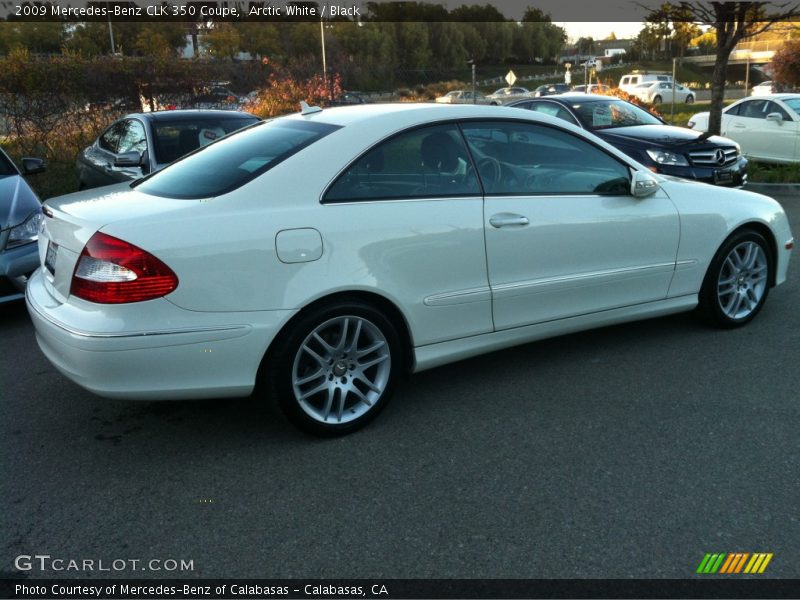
(508,220)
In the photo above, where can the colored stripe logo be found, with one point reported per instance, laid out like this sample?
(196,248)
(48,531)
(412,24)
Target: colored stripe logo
(734,562)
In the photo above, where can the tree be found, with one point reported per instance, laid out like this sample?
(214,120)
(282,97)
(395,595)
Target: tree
(786,64)
(732,22)
(224,41)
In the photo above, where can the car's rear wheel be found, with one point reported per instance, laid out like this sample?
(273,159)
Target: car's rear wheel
(736,285)
(335,368)
(657,100)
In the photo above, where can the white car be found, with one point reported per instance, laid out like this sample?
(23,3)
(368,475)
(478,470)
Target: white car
(508,94)
(316,257)
(762,89)
(465,97)
(766,127)
(661,91)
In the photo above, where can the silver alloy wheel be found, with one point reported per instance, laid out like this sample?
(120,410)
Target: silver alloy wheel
(341,369)
(742,280)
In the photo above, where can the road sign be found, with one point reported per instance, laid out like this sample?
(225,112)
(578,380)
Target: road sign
(511,78)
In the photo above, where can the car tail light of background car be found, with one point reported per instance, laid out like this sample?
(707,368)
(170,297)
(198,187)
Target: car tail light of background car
(112,271)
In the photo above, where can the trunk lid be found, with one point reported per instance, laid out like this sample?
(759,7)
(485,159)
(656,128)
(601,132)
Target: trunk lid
(70,221)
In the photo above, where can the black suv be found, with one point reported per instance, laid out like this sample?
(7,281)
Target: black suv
(641,135)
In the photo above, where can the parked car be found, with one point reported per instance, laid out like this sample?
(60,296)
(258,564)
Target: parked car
(627,83)
(592,88)
(641,135)
(662,91)
(20,217)
(507,94)
(148,291)
(770,87)
(551,89)
(143,143)
(766,127)
(464,97)
(348,98)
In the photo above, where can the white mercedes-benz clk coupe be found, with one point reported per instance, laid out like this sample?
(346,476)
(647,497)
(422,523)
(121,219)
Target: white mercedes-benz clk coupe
(315,257)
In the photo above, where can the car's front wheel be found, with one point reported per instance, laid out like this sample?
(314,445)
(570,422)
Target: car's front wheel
(737,282)
(690,99)
(334,369)
(657,100)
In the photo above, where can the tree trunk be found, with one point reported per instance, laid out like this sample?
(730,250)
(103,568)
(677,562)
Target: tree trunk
(718,90)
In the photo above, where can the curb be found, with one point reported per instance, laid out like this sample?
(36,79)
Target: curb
(773,188)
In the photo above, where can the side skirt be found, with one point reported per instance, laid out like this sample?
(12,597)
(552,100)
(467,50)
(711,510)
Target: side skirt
(434,355)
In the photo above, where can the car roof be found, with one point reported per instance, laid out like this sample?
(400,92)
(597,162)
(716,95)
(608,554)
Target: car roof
(403,114)
(574,97)
(191,115)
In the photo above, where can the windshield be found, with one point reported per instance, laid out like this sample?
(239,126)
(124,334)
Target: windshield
(605,114)
(230,163)
(794,104)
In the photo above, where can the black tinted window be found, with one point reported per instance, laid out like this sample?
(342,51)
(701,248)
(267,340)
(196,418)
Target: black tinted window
(234,161)
(6,167)
(553,109)
(174,139)
(521,159)
(423,163)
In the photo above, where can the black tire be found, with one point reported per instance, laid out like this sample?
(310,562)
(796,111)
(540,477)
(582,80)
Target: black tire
(689,99)
(299,355)
(731,297)
(657,100)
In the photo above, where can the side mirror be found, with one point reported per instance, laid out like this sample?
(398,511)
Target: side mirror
(777,117)
(128,159)
(643,184)
(31,166)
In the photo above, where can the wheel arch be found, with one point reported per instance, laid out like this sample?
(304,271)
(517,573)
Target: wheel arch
(772,244)
(378,301)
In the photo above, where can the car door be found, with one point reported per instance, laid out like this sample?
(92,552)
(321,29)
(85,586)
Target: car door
(760,138)
(564,237)
(133,140)
(95,161)
(419,210)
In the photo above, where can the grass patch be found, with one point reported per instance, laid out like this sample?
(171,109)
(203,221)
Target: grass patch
(768,173)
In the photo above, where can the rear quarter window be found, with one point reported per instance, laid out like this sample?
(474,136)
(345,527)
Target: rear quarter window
(233,161)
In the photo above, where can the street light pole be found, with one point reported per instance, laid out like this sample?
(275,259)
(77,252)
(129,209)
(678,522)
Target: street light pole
(324,64)
(111,34)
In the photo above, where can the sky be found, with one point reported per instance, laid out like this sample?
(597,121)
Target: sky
(600,31)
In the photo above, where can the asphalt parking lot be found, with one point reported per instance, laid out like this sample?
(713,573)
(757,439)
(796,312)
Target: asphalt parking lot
(624,452)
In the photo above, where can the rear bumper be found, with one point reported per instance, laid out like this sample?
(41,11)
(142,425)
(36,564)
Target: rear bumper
(181,354)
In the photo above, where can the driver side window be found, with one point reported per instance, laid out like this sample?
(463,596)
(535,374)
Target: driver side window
(515,158)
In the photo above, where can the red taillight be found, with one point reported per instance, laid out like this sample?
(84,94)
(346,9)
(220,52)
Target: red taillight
(112,271)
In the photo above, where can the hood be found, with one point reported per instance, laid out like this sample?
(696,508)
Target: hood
(17,201)
(663,135)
